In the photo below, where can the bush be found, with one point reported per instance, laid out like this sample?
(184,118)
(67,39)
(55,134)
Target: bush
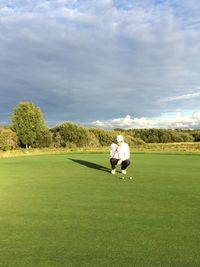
(105,138)
(131,140)
(69,134)
(196,136)
(44,139)
(8,139)
(57,139)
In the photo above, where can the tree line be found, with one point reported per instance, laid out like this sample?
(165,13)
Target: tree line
(28,129)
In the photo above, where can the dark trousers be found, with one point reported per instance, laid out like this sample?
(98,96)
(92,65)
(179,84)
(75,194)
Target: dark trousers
(124,163)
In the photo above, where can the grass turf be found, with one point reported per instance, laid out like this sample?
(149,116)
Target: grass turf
(68,210)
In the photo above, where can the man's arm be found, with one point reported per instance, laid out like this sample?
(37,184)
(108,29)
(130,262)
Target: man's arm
(126,152)
(113,150)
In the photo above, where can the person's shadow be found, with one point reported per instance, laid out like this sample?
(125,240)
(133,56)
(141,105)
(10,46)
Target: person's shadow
(91,165)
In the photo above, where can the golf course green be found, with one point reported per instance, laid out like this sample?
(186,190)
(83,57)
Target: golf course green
(68,210)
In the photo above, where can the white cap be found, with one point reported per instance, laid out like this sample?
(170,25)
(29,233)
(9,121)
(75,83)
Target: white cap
(120,138)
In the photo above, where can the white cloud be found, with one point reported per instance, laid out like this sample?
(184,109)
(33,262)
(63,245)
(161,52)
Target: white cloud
(182,97)
(165,121)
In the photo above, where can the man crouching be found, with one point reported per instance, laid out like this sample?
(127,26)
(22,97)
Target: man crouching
(119,155)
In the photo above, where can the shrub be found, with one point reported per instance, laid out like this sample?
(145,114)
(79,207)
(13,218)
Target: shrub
(69,134)
(44,139)
(8,139)
(104,137)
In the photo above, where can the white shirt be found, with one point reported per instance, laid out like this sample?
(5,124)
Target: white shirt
(120,152)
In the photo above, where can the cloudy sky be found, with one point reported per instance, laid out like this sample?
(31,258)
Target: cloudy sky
(105,63)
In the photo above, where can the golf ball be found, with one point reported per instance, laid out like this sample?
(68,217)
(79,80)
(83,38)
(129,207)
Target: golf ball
(130,177)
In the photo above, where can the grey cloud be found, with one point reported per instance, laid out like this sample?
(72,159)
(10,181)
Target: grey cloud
(96,60)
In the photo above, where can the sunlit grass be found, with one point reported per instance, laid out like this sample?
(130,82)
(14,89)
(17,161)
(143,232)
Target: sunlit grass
(68,210)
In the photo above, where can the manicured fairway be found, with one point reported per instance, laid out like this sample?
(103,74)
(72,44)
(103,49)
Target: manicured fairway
(68,210)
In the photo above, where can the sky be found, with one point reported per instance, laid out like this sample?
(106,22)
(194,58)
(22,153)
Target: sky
(102,63)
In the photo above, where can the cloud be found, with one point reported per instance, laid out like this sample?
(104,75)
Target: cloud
(182,97)
(95,60)
(165,121)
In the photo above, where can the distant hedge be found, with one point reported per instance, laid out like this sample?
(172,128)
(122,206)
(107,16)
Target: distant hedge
(29,129)
(71,135)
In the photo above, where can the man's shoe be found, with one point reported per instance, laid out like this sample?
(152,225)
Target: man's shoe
(112,171)
(124,171)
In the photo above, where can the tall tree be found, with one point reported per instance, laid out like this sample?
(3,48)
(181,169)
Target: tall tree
(28,122)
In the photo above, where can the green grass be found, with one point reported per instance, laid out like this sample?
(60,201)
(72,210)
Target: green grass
(68,210)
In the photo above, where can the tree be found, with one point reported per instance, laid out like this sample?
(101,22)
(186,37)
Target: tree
(196,136)
(57,139)
(70,134)
(104,138)
(28,123)
(8,139)
(44,139)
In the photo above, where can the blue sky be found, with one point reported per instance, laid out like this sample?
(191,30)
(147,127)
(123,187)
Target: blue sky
(106,63)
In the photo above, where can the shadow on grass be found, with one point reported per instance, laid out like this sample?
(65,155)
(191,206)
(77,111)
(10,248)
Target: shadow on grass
(91,165)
